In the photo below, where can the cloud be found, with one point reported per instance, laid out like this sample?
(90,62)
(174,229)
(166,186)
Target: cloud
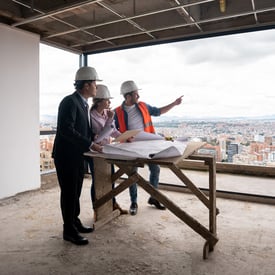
(230,49)
(226,76)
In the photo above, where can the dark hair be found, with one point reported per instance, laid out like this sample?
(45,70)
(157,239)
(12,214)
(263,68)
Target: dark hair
(95,102)
(79,84)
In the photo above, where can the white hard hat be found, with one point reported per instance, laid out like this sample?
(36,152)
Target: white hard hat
(86,73)
(128,87)
(102,91)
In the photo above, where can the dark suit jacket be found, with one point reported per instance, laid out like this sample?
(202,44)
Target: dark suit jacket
(73,135)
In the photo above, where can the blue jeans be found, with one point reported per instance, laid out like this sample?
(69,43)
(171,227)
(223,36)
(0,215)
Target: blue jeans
(153,179)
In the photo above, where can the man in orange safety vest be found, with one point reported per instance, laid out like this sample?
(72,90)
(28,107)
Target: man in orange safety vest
(132,114)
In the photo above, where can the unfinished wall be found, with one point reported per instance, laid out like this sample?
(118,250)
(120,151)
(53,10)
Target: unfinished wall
(19,111)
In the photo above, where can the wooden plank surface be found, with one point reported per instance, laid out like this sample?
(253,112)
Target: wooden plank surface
(103,185)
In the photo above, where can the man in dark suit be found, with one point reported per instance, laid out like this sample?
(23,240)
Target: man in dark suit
(74,137)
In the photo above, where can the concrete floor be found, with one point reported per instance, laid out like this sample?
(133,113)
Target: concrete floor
(152,242)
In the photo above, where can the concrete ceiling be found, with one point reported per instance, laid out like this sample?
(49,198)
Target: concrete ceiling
(106,25)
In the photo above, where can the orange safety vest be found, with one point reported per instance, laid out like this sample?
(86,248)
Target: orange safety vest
(147,121)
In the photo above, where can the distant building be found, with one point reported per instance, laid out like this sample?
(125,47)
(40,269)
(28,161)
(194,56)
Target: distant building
(212,150)
(232,149)
(222,143)
(268,140)
(46,161)
(46,146)
(259,138)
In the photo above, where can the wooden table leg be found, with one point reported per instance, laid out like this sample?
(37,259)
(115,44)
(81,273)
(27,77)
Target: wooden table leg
(190,221)
(102,185)
(212,199)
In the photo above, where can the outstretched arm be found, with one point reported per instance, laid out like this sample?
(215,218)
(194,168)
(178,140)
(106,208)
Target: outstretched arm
(168,107)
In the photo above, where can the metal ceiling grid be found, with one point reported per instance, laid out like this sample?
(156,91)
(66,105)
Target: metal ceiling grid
(104,25)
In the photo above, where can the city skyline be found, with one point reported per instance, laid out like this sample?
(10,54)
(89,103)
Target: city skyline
(249,142)
(228,76)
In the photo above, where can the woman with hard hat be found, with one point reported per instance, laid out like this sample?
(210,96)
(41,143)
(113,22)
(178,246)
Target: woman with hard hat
(103,126)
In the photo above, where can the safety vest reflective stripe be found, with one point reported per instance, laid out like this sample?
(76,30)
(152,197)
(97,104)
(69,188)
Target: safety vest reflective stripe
(148,125)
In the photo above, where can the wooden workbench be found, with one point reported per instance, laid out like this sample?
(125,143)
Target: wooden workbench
(104,192)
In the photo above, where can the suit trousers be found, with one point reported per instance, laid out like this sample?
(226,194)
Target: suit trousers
(70,175)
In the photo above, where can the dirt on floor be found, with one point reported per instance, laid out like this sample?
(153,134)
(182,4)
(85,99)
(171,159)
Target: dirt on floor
(152,242)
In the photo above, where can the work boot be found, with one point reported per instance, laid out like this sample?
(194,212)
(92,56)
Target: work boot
(133,208)
(156,203)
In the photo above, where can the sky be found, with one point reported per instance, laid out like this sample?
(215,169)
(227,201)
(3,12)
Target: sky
(226,76)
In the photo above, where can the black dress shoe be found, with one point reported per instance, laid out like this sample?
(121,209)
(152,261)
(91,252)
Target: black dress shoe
(75,238)
(83,229)
(156,203)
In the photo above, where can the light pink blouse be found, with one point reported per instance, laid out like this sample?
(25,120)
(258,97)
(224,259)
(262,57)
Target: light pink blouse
(100,122)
